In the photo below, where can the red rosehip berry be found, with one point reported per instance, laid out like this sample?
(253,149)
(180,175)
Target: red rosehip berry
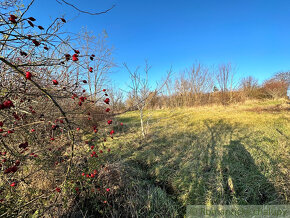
(8,170)
(28,75)
(12,18)
(17,163)
(22,53)
(67,56)
(55,82)
(14,169)
(82,99)
(23,145)
(107,100)
(31,18)
(30,23)
(75,57)
(8,104)
(35,42)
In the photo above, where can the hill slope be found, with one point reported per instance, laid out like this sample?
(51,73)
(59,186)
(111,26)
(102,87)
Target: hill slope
(213,155)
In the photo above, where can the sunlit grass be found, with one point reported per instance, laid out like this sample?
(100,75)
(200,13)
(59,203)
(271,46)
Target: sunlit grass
(213,154)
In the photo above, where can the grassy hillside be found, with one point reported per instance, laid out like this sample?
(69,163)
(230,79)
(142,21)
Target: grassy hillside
(211,155)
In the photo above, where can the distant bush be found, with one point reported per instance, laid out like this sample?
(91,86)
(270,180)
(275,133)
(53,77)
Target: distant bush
(275,88)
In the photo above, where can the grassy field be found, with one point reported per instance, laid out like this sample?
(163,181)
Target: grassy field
(210,155)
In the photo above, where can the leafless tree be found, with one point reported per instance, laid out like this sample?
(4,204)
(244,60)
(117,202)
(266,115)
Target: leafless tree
(225,80)
(283,76)
(98,62)
(116,98)
(275,88)
(249,85)
(200,81)
(140,90)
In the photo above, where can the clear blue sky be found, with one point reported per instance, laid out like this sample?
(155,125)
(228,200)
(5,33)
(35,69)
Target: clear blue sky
(252,34)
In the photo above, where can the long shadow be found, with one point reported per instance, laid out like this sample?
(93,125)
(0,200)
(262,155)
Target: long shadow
(211,166)
(244,183)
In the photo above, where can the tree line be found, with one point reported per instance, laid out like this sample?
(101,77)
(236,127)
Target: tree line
(203,85)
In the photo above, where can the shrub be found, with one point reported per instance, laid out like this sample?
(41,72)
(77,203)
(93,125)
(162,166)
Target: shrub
(44,116)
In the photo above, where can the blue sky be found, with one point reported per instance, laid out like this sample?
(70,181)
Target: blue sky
(254,35)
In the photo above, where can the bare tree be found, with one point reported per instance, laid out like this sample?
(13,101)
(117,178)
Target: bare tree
(99,61)
(249,85)
(116,98)
(275,88)
(283,76)
(193,84)
(140,90)
(200,81)
(225,81)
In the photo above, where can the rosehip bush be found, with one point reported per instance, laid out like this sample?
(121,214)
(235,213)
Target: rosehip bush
(45,117)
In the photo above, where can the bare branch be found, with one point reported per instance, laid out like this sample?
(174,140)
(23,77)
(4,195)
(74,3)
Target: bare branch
(85,12)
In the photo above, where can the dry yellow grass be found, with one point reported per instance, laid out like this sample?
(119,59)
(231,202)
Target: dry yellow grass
(237,154)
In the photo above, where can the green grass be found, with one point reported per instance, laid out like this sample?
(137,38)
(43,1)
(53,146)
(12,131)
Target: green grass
(212,155)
